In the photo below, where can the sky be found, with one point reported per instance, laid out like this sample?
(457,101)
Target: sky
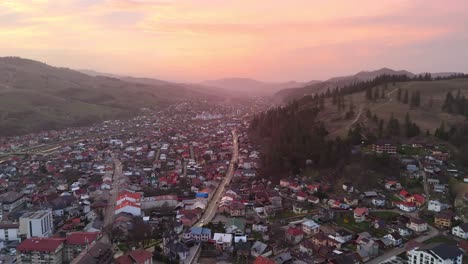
(270,40)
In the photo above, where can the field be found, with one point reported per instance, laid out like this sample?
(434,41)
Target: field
(428,116)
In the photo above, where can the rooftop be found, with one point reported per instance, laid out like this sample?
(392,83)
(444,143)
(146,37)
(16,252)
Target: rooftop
(40,244)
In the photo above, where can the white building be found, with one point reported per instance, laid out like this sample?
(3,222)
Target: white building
(9,232)
(310,227)
(439,254)
(36,224)
(461,231)
(223,240)
(128,207)
(417,225)
(436,206)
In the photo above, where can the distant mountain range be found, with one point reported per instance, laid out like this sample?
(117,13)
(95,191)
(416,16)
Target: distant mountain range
(36,96)
(253,87)
(234,86)
(319,87)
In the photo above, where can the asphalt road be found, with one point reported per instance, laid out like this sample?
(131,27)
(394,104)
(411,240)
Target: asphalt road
(109,213)
(432,232)
(212,205)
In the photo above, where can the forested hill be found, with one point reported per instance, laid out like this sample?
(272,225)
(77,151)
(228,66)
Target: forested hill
(321,129)
(293,135)
(36,96)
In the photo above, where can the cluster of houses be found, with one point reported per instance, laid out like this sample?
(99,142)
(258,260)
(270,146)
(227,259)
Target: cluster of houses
(171,166)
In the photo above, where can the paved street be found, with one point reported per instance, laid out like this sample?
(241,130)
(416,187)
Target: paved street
(109,213)
(212,206)
(432,232)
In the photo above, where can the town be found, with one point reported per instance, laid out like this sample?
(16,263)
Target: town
(182,185)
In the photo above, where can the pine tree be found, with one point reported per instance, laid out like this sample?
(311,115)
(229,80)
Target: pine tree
(381,127)
(415,99)
(448,104)
(369,93)
(405,97)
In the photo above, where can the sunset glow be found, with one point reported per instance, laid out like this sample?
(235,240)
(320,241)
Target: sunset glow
(193,40)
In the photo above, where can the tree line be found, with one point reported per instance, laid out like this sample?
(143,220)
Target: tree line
(455,105)
(291,135)
(403,97)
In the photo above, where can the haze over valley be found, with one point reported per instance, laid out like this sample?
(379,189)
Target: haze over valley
(247,132)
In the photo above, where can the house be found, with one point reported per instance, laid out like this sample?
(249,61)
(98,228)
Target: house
(139,256)
(347,186)
(320,239)
(367,248)
(294,235)
(439,253)
(405,196)
(260,227)
(235,226)
(128,196)
(418,199)
(417,225)
(307,247)
(360,214)
(378,201)
(198,234)
(393,186)
(35,250)
(11,201)
(395,238)
(313,199)
(310,227)
(260,249)
(443,219)
(343,235)
(461,231)
(222,240)
(384,146)
(436,206)
(9,232)
(127,206)
(405,206)
(299,208)
(404,231)
(236,208)
(96,253)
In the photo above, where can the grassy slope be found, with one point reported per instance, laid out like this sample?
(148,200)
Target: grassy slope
(36,96)
(425,116)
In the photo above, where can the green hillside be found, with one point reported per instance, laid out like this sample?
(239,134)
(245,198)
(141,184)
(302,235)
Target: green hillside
(36,96)
(428,116)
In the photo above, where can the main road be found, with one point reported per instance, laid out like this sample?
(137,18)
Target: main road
(213,203)
(113,193)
